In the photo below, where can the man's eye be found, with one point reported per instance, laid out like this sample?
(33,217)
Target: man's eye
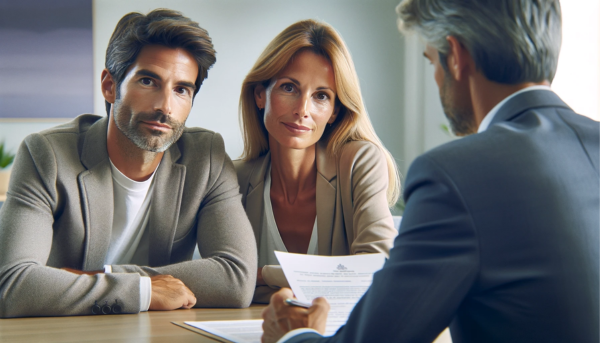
(146,81)
(181,90)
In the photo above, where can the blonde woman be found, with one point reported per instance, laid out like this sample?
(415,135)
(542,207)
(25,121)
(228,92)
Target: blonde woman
(314,176)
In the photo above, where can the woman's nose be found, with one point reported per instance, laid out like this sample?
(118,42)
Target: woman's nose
(302,106)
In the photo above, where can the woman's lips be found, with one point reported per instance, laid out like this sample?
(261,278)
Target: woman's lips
(295,128)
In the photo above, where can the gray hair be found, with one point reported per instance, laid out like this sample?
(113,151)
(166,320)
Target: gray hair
(511,41)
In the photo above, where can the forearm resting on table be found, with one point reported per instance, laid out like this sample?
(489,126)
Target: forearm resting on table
(159,292)
(82,272)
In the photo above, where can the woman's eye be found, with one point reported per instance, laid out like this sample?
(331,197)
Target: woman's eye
(287,87)
(146,81)
(322,96)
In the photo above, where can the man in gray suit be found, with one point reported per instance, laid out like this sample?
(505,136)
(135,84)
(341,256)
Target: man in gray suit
(500,234)
(103,213)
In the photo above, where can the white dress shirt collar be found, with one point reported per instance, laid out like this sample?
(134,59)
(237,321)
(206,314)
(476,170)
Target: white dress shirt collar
(485,123)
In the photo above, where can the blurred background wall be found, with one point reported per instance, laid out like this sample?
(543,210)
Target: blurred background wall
(396,81)
(47,58)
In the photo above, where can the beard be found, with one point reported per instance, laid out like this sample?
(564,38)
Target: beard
(461,116)
(150,140)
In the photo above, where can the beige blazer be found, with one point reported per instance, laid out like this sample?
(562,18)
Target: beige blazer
(59,213)
(352,211)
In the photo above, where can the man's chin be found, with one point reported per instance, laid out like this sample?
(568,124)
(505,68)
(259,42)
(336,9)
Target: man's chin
(155,140)
(157,133)
(158,147)
(152,145)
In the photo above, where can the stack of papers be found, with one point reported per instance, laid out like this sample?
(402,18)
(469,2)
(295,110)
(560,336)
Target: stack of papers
(342,280)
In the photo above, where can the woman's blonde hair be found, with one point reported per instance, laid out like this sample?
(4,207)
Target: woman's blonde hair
(352,122)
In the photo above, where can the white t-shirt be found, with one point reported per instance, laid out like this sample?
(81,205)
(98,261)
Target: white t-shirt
(132,203)
(129,241)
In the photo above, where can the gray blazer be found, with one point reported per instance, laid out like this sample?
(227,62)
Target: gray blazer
(499,238)
(352,211)
(59,213)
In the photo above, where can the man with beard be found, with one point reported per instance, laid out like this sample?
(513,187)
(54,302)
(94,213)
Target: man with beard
(500,233)
(103,213)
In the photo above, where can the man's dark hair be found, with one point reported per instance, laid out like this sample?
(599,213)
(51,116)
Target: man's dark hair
(160,27)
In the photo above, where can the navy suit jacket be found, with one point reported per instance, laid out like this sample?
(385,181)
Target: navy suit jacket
(499,239)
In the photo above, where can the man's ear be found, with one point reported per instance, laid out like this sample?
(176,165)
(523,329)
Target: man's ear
(458,58)
(260,95)
(109,86)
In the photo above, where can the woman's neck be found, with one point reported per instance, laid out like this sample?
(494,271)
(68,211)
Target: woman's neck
(293,171)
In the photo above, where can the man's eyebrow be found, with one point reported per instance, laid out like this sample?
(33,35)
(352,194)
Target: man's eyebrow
(425,55)
(145,72)
(187,84)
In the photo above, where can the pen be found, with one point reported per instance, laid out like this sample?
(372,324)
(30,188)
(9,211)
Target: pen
(295,302)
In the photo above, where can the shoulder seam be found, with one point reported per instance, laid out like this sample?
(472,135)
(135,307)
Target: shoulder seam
(587,154)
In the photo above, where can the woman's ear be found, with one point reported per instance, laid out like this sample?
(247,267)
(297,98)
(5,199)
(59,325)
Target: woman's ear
(336,110)
(109,86)
(260,95)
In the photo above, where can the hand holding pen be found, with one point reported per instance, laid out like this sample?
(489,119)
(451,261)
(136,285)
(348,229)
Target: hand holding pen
(296,302)
(285,314)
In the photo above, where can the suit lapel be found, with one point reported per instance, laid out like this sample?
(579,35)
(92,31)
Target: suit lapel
(166,204)
(97,200)
(326,197)
(254,197)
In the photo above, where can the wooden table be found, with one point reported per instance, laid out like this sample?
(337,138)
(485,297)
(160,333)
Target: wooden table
(152,326)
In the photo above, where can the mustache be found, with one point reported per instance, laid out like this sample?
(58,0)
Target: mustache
(159,117)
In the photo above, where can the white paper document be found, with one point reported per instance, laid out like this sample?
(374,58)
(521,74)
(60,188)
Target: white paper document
(242,331)
(342,280)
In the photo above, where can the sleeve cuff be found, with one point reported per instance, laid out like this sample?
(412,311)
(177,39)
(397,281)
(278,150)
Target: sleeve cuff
(107,269)
(145,293)
(295,333)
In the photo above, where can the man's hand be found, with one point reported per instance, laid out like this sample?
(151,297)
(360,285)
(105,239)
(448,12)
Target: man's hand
(280,318)
(169,293)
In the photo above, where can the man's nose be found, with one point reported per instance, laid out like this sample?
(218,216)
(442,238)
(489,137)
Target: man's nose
(163,102)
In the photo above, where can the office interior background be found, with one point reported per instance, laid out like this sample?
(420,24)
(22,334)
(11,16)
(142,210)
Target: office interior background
(396,81)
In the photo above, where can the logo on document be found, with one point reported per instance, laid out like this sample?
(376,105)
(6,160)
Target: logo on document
(341,267)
